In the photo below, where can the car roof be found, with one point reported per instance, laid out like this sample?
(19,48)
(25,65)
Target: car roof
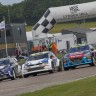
(40,53)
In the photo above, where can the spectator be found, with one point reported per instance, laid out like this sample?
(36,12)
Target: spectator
(18,53)
(54,48)
(50,46)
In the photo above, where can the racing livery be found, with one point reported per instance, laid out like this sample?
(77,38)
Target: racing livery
(80,54)
(41,62)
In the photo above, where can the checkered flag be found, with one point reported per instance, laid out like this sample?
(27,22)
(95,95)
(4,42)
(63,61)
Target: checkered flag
(45,23)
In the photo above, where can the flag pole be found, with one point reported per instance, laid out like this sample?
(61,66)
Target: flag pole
(5,39)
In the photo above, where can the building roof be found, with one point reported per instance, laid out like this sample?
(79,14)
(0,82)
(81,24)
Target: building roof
(77,30)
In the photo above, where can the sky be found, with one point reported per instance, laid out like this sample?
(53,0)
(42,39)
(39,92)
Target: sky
(9,2)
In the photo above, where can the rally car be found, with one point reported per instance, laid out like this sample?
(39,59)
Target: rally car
(41,62)
(80,54)
(9,68)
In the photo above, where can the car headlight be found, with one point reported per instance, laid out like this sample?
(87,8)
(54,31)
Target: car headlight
(26,66)
(45,64)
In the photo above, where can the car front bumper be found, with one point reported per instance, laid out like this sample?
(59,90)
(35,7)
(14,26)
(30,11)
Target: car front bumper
(83,61)
(25,72)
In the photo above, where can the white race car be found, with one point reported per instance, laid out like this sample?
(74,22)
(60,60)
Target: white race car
(41,62)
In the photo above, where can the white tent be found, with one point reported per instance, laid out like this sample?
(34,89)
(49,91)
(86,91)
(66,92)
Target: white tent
(29,35)
(42,35)
(63,14)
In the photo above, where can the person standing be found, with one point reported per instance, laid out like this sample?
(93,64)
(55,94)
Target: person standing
(54,48)
(50,46)
(18,53)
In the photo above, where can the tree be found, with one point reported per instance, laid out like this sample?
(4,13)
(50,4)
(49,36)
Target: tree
(32,10)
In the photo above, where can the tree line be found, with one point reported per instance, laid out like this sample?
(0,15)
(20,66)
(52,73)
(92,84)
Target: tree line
(30,11)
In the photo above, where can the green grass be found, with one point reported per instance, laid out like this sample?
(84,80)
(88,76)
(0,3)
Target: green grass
(28,28)
(58,27)
(85,87)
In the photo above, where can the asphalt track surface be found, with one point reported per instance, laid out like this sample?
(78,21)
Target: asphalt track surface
(30,84)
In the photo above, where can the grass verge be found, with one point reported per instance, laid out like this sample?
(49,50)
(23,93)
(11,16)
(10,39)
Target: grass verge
(85,87)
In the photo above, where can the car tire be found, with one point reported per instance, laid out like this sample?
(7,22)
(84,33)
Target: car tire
(73,67)
(14,75)
(34,74)
(1,79)
(93,62)
(66,68)
(25,76)
(20,76)
(60,66)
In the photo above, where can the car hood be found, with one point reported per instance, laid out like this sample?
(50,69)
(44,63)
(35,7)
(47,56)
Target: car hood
(37,61)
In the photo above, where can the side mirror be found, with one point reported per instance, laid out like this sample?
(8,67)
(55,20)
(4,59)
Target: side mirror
(92,49)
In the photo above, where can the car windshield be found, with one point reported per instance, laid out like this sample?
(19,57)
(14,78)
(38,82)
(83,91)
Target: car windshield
(37,57)
(78,49)
(4,62)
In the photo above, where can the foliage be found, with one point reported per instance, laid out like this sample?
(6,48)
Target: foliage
(58,27)
(30,11)
(28,28)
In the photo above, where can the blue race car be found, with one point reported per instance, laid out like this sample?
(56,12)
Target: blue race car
(8,68)
(80,54)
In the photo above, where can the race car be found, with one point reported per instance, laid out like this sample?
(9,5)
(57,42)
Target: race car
(41,62)
(9,68)
(80,54)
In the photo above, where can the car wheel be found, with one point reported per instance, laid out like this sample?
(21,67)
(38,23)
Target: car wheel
(34,74)
(73,67)
(60,66)
(0,79)
(93,62)
(25,76)
(14,75)
(20,76)
(53,68)
(66,68)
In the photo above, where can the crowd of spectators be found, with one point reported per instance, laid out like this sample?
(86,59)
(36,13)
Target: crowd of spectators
(50,47)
